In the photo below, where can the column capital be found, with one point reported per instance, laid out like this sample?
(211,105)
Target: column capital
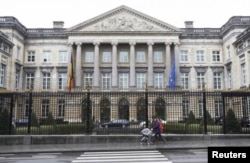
(150,43)
(96,43)
(132,43)
(79,43)
(114,43)
(70,44)
(167,43)
(176,43)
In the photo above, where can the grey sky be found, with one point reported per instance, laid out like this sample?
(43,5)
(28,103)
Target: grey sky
(204,13)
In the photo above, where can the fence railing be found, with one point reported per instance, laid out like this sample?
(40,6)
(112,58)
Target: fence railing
(88,112)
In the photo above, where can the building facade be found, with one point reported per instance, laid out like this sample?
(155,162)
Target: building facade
(123,50)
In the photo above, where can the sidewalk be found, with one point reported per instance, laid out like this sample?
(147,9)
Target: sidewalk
(171,143)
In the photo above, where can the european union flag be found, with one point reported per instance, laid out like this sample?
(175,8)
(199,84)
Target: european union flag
(171,81)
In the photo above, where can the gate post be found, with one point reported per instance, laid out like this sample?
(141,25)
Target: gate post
(146,105)
(88,110)
(30,110)
(11,113)
(224,114)
(204,107)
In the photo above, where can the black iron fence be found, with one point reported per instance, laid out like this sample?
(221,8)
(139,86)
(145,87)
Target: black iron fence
(89,112)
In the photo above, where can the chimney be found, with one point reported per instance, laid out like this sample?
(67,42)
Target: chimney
(189,24)
(58,24)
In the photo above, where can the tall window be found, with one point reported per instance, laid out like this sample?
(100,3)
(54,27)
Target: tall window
(47,56)
(106,56)
(184,56)
(62,81)
(26,111)
(200,79)
(200,56)
(106,80)
(218,108)
(123,80)
(216,56)
(45,108)
(89,56)
(185,108)
(200,106)
(29,80)
(46,80)
(140,80)
(17,79)
(158,56)
(217,80)
(63,56)
(60,108)
(158,80)
(123,56)
(140,56)
(184,80)
(243,74)
(229,78)
(31,56)
(88,80)
(2,75)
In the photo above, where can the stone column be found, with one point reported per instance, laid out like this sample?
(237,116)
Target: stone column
(114,64)
(177,65)
(150,65)
(78,72)
(132,65)
(96,65)
(168,63)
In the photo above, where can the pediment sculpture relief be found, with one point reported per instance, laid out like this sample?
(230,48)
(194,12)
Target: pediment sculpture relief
(123,23)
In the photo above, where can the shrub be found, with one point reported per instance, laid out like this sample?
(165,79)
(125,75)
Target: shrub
(232,124)
(50,120)
(34,121)
(4,122)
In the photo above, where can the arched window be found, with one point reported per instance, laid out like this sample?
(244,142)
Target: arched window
(105,110)
(141,108)
(123,109)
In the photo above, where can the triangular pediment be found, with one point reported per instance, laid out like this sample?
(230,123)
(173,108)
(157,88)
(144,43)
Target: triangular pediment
(123,19)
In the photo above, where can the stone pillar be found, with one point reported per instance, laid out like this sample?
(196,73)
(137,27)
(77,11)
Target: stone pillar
(168,63)
(150,65)
(78,72)
(96,65)
(177,65)
(132,65)
(114,64)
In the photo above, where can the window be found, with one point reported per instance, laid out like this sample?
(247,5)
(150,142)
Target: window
(62,81)
(29,80)
(2,75)
(31,56)
(26,111)
(184,80)
(200,56)
(200,106)
(89,56)
(88,80)
(106,80)
(47,56)
(158,80)
(123,80)
(218,108)
(106,56)
(141,80)
(217,80)
(123,56)
(140,56)
(63,56)
(60,108)
(158,56)
(45,108)
(243,74)
(17,81)
(216,56)
(200,79)
(229,79)
(185,108)
(184,56)
(18,52)
(46,80)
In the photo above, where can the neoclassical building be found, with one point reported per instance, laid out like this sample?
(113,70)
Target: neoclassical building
(123,49)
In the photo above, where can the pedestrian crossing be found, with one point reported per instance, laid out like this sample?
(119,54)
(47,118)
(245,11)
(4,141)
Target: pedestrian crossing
(149,156)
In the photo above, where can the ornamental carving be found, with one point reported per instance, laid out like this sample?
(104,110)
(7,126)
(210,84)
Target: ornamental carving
(123,23)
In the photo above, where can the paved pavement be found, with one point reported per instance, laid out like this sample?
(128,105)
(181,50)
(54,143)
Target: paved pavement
(171,143)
